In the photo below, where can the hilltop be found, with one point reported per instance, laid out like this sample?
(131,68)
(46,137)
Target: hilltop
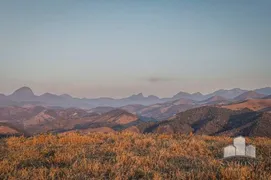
(210,120)
(249,95)
(253,104)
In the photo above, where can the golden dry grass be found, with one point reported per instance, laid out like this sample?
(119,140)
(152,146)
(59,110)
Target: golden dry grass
(128,155)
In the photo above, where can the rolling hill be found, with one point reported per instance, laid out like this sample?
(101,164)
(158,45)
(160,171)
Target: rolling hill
(249,95)
(41,119)
(267,97)
(7,129)
(133,108)
(117,116)
(165,110)
(215,121)
(265,91)
(232,120)
(253,104)
(215,100)
(101,109)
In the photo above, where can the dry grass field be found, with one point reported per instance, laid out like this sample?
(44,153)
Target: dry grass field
(128,155)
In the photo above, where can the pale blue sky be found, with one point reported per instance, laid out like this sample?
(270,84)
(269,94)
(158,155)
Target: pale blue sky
(117,48)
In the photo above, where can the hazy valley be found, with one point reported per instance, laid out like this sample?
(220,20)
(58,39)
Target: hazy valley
(224,112)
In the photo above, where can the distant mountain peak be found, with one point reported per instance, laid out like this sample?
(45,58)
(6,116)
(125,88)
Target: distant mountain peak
(220,90)
(197,94)
(120,116)
(265,91)
(236,89)
(215,98)
(185,95)
(153,97)
(249,95)
(228,94)
(136,96)
(48,94)
(182,92)
(66,95)
(24,88)
(24,92)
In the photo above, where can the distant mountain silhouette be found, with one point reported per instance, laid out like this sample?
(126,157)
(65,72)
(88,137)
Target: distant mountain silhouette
(50,97)
(152,97)
(136,97)
(182,101)
(184,95)
(101,109)
(162,111)
(67,96)
(265,91)
(133,108)
(6,101)
(215,100)
(228,94)
(249,95)
(25,96)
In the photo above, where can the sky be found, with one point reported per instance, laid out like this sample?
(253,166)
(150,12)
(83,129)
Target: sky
(117,48)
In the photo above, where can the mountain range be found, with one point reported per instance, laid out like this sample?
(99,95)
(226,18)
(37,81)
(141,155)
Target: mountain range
(25,96)
(224,112)
(33,120)
(248,118)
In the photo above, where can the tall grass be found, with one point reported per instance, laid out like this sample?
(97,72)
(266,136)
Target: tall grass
(128,156)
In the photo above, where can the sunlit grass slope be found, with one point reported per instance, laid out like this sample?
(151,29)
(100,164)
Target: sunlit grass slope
(128,156)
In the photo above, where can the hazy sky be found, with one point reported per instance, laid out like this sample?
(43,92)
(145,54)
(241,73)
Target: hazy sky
(118,48)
